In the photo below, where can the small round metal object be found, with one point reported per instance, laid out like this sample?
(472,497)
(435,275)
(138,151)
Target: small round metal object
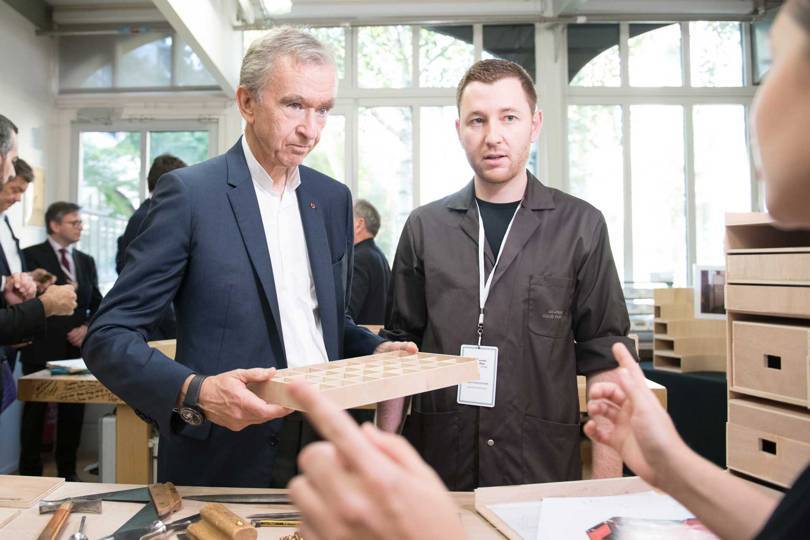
(80,535)
(490,442)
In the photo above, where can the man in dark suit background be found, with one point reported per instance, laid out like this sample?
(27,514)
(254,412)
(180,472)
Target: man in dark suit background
(256,252)
(372,273)
(63,338)
(166,327)
(160,165)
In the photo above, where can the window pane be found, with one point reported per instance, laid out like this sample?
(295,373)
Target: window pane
(659,200)
(190,146)
(445,53)
(109,179)
(386,169)
(85,62)
(146,61)
(513,42)
(335,39)
(190,69)
(443,167)
(593,55)
(596,172)
(385,56)
(655,55)
(716,49)
(722,175)
(329,157)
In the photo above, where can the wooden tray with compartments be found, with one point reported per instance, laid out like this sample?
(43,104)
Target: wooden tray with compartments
(370,379)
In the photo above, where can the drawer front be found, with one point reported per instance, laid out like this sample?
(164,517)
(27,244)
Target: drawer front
(769,300)
(771,361)
(764,455)
(787,268)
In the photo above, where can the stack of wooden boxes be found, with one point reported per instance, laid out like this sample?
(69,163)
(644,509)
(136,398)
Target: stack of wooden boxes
(768,306)
(681,342)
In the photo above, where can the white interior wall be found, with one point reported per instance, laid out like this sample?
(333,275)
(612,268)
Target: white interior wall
(27,98)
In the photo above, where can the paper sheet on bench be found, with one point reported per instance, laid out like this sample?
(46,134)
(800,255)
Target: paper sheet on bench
(570,517)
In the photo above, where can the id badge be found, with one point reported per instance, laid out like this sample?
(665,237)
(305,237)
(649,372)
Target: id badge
(480,393)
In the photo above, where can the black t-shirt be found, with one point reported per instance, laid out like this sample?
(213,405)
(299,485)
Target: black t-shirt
(496,218)
(791,519)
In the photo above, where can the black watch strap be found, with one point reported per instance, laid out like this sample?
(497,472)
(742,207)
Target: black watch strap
(193,393)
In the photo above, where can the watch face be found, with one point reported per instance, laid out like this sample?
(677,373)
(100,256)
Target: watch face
(191,416)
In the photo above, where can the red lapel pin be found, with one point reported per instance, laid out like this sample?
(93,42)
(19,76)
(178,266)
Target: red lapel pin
(312,205)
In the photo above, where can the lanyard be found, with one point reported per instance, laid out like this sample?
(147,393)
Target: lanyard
(484,285)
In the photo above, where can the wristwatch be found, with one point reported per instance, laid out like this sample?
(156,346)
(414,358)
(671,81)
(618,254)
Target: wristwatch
(190,411)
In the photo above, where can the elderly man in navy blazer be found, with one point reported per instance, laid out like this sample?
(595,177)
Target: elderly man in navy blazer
(255,250)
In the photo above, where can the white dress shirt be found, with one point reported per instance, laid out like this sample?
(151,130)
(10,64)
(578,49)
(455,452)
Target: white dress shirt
(9,249)
(70,272)
(295,288)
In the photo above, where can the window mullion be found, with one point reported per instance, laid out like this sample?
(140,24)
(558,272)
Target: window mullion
(628,194)
(624,54)
(691,204)
(686,55)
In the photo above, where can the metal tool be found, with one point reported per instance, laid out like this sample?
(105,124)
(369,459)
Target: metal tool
(240,498)
(139,495)
(277,515)
(57,522)
(80,505)
(155,529)
(80,534)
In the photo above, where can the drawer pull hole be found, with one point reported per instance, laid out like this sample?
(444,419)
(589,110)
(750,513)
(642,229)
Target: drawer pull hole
(773,362)
(767,446)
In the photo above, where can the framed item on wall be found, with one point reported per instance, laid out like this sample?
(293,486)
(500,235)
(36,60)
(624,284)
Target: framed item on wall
(34,200)
(710,292)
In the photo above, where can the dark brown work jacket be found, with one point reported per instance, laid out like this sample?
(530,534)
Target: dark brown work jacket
(555,309)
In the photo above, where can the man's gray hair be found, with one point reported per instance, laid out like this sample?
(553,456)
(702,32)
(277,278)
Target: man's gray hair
(7,129)
(263,53)
(364,209)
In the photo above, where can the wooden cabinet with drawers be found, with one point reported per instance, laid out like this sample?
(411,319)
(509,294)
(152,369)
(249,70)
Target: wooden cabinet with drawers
(768,332)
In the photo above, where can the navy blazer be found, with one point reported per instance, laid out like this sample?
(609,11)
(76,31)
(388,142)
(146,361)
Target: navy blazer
(203,246)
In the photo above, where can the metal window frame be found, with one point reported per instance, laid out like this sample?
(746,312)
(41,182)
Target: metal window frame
(688,97)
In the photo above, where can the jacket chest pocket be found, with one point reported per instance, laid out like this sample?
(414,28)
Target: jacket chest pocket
(549,310)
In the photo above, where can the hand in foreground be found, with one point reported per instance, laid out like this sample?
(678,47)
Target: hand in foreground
(18,288)
(226,400)
(59,300)
(362,483)
(391,346)
(628,417)
(43,279)
(76,336)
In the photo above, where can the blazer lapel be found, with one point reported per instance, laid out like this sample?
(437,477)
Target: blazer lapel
(245,208)
(320,263)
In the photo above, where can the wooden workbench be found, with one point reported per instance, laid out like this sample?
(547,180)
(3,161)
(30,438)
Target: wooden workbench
(28,523)
(133,463)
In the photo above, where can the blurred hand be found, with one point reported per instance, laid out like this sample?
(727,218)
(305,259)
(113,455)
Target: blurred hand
(391,346)
(59,300)
(18,288)
(628,417)
(76,336)
(362,483)
(43,279)
(226,400)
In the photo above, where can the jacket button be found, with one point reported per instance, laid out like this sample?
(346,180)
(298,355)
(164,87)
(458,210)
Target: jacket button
(273,441)
(490,442)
